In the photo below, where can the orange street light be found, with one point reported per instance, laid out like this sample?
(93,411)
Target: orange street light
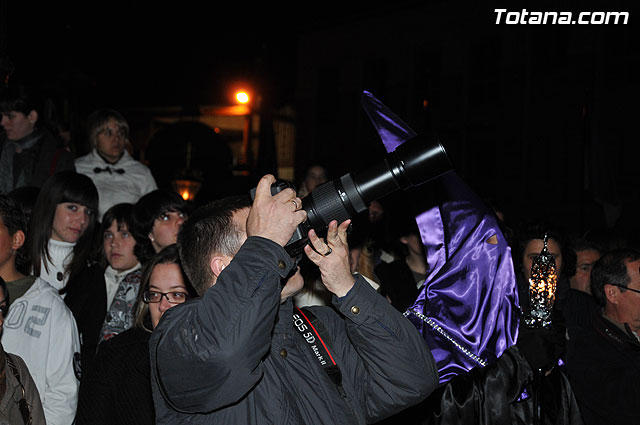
(242,97)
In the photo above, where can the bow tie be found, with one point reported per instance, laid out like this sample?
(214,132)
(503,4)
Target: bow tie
(108,170)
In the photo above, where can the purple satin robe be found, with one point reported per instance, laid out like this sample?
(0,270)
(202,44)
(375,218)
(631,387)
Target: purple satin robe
(468,308)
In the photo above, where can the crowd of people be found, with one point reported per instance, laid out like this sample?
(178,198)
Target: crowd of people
(93,254)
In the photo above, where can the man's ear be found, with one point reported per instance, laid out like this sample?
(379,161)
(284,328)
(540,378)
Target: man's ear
(32,116)
(218,263)
(17,240)
(611,293)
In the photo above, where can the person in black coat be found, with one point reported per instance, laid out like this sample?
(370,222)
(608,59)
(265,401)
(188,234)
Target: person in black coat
(117,390)
(29,152)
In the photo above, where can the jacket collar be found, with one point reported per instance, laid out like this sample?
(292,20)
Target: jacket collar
(616,334)
(97,158)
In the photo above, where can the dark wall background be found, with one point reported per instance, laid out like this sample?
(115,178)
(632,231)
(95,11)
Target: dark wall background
(539,119)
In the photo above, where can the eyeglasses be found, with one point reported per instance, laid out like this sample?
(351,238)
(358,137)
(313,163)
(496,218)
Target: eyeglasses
(172,297)
(624,287)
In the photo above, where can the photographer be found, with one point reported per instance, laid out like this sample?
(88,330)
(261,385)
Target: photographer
(235,355)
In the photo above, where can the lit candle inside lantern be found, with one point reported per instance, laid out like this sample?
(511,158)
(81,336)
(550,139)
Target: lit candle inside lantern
(542,288)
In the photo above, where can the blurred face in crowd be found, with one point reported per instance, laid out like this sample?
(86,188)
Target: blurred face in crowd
(118,247)
(376,212)
(70,222)
(623,305)
(165,279)
(584,263)
(414,244)
(111,141)
(533,248)
(165,229)
(18,125)
(316,175)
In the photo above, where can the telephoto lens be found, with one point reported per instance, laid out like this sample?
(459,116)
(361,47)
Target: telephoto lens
(416,161)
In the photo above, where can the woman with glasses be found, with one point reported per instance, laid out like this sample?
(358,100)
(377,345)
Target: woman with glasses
(118,388)
(118,177)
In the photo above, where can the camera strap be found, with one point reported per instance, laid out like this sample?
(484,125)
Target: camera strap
(317,339)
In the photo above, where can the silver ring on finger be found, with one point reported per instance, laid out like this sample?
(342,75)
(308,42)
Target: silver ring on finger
(295,204)
(328,252)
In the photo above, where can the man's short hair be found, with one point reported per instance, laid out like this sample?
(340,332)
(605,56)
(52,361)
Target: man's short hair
(209,230)
(611,269)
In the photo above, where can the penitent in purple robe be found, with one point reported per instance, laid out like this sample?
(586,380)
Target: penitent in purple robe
(467,311)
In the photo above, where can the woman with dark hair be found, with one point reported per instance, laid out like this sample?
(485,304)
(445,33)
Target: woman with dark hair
(118,389)
(157,217)
(60,236)
(30,153)
(118,177)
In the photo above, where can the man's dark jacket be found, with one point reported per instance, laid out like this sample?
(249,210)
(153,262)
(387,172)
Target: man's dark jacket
(233,356)
(603,362)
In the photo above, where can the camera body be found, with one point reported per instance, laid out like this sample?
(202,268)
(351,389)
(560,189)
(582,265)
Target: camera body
(416,161)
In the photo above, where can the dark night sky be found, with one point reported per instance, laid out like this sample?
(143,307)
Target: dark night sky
(135,54)
(180,53)
(141,54)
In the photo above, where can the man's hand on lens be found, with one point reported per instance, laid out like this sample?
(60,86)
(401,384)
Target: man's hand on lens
(332,258)
(274,217)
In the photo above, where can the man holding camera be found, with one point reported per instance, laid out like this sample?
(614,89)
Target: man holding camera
(242,354)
